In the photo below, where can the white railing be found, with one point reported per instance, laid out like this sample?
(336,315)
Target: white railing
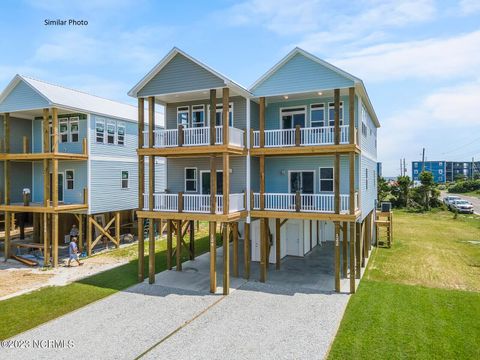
(235,137)
(162,202)
(237,202)
(310,136)
(218,135)
(196,203)
(308,202)
(193,203)
(196,136)
(166,138)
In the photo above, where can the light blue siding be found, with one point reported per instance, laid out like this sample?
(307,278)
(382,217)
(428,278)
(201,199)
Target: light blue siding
(23,97)
(239,111)
(20,178)
(272,111)
(18,129)
(180,74)
(65,147)
(368,140)
(114,150)
(368,195)
(277,168)
(254,115)
(160,174)
(74,196)
(301,74)
(255,174)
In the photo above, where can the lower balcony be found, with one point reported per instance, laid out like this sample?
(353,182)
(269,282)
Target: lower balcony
(193,203)
(303,203)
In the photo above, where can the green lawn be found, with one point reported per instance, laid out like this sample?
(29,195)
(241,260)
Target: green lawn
(406,305)
(24,312)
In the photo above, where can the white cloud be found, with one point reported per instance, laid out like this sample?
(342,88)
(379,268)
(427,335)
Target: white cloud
(438,58)
(468,7)
(86,6)
(436,122)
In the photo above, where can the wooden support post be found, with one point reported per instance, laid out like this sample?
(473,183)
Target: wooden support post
(151,121)
(262,182)
(247,250)
(151,251)
(180,201)
(298,201)
(55,130)
(6,243)
(336,102)
(263,249)
(178,245)
(358,251)
(192,240)
(46,240)
(262,121)
(352,257)
(213,185)
(141,158)
(26,146)
(362,242)
(234,227)
(337,256)
(180,136)
(80,232)
(213,115)
(7,182)
(55,239)
(226,116)
(151,182)
(6,132)
(117,229)
(337,184)
(6,140)
(55,182)
(212,232)
(277,244)
(89,235)
(311,236)
(46,165)
(351,115)
(297,135)
(141,249)
(226,182)
(226,261)
(169,244)
(345,250)
(351,161)
(36,227)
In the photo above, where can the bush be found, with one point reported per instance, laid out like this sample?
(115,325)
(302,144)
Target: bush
(464,186)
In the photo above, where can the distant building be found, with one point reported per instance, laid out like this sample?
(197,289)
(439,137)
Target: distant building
(445,171)
(379,169)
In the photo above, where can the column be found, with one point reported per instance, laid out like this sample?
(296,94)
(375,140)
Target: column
(179,245)
(352,257)
(226,182)
(262,121)
(212,230)
(151,251)
(169,244)
(213,115)
(351,115)
(337,256)
(225,116)
(226,261)
(247,250)
(141,250)
(213,185)
(141,158)
(55,239)
(262,182)
(336,102)
(277,242)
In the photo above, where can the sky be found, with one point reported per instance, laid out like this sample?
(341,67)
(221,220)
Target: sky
(419,59)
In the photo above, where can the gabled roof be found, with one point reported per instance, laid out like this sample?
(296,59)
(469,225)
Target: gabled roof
(171,54)
(358,82)
(62,97)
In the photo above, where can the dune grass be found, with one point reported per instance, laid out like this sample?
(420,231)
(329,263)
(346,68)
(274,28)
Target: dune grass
(407,305)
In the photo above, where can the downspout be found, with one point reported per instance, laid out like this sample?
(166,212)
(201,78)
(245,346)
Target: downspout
(248,161)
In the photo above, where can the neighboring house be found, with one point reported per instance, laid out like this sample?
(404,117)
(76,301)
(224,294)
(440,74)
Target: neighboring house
(295,159)
(379,169)
(446,171)
(76,153)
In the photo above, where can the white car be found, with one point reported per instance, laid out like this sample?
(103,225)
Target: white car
(462,206)
(448,200)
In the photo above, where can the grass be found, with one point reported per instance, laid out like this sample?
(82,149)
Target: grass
(24,312)
(407,305)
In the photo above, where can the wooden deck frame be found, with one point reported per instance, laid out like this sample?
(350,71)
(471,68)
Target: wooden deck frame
(43,156)
(220,218)
(193,151)
(103,232)
(306,150)
(44,209)
(304,215)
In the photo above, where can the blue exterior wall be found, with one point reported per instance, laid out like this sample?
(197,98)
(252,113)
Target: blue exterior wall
(437,168)
(18,129)
(368,139)
(301,74)
(368,193)
(74,196)
(276,182)
(181,74)
(20,178)
(23,97)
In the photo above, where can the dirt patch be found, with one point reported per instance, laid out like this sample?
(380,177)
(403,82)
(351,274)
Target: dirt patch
(15,280)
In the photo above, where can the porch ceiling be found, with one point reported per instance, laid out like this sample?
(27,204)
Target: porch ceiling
(202,94)
(33,113)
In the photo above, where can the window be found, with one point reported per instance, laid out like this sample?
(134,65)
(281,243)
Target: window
(100,131)
(440,171)
(125,184)
(69,179)
(364,129)
(198,115)
(73,124)
(415,172)
(190,179)
(63,130)
(110,132)
(121,134)
(440,178)
(331,113)
(182,116)
(415,164)
(291,117)
(219,114)
(317,115)
(366,179)
(326,179)
(440,163)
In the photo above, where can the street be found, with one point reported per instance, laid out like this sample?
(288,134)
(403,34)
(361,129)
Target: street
(474,200)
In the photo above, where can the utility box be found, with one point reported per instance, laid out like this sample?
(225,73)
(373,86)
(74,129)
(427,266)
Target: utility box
(26,197)
(386,206)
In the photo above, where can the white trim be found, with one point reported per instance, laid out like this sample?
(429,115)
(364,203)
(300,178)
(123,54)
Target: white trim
(301,171)
(325,120)
(201,182)
(320,179)
(71,120)
(121,124)
(104,122)
(248,162)
(185,179)
(121,179)
(89,164)
(342,112)
(217,110)
(65,179)
(292,112)
(108,123)
(200,107)
(183,112)
(63,120)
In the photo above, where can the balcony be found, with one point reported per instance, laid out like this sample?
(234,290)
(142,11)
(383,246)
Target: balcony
(196,136)
(193,203)
(297,202)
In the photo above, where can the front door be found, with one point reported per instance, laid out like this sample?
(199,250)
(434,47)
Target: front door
(301,181)
(293,239)
(206,182)
(60,186)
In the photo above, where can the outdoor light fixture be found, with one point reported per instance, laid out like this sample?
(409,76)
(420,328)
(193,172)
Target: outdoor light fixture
(320,93)
(285,97)
(282,172)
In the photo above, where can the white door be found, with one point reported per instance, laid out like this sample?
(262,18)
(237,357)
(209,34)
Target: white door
(293,240)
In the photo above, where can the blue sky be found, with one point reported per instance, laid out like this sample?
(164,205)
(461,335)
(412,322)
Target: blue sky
(420,59)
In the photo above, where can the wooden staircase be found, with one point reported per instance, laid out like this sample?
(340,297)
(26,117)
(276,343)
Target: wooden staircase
(384,219)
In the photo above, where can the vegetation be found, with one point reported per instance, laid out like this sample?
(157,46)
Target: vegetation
(464,186)
(408,304)
(24,312)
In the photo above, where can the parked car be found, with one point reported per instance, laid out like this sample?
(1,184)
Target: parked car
(448,200)
(462,206)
